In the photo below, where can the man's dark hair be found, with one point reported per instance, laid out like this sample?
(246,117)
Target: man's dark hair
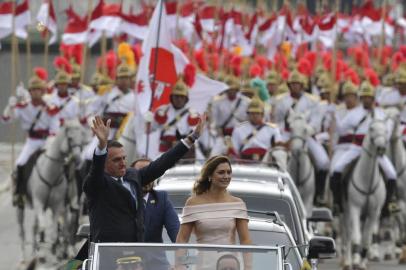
(228,256)
(139,160)
(114,144)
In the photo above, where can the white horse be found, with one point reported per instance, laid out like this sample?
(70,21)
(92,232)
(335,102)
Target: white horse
(366,196)
(50,190)
(300,165)
(397,154)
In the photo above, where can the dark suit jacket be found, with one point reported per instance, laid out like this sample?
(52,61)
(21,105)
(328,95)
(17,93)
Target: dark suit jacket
(113,214)
(159,212)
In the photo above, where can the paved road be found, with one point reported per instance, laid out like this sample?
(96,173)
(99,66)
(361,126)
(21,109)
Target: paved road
(10,252)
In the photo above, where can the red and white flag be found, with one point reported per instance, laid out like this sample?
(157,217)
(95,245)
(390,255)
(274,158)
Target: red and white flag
(109,21)
(75,30)
(47,19)
(157,72)
(135,25)
(21,20)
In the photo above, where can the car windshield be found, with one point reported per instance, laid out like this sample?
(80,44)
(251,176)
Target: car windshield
(256,203)
(165,257)
(262,237)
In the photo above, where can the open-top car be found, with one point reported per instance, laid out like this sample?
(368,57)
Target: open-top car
(147,256)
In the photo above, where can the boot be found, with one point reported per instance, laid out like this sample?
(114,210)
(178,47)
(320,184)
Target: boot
(19,191)
(391,202)
(320,188)
(335,187)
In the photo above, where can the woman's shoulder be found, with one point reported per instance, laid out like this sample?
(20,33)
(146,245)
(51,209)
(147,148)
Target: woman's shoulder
(195,200)
(235,199)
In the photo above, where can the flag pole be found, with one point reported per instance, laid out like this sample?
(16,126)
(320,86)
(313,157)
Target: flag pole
(333,93)
(14,48)
(85,47)
(154,73)
(382,39)
(28,52)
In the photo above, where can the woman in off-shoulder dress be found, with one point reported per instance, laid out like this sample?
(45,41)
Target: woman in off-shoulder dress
(213,214)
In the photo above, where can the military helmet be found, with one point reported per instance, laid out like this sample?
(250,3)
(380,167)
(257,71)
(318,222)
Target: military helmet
(95,79)
(124,70)
(388,80)
(349,88)
(232,82)
(36,83)
(180,89)
(62,77)
(319,70)
(324,81)
(255,106)
(75,71)
(273,77)
(246,88)
(282,88)
(366,89)
(296,77)
(400,77)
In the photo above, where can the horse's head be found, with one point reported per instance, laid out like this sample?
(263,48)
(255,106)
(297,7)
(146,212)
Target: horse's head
(74,138)
(300,130)
(393,115)
(378,135)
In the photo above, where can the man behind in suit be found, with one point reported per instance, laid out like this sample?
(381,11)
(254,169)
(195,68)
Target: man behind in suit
(114,192)
(158,212)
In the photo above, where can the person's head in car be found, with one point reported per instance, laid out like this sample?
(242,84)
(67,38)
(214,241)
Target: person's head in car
(215,176)
(130,263)
(228,262)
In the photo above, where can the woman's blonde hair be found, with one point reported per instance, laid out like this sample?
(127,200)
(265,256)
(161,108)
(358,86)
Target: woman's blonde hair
(202,184)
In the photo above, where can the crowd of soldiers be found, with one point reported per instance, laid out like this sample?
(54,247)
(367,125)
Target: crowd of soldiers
(241,123)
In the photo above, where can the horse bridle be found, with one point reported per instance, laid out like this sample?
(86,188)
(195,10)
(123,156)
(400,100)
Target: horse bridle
(301,152)
(374,188)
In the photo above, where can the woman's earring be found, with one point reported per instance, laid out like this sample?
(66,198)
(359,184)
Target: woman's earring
(209,179)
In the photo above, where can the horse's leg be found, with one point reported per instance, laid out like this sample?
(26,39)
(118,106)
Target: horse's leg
(20,221)
(355,214)
(35,229)
(346,225)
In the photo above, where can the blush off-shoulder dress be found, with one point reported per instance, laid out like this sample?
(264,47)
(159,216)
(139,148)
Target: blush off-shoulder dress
(214,223)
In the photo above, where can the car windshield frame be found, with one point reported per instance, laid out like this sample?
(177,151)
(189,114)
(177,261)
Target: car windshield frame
(96,249)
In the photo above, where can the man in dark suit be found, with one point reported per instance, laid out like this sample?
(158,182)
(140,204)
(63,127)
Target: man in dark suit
(114,191)
(158,212)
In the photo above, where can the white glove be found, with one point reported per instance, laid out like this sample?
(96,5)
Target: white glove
(148,116)
(22,92)
(12,101)
(322,137)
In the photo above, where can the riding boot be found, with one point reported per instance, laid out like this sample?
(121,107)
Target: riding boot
(20,187)
(320,188)
(391,202)
(335,187)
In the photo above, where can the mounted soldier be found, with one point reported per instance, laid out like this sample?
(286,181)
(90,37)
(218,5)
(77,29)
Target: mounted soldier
(62,103)
(254,138)
(175,120)
(38,121)
(350,95)
(356,124)
(228,110)
(83,94)
(297,100)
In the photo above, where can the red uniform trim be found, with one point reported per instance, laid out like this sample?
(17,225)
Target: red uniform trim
(192,120)
(350,138)
(160,118)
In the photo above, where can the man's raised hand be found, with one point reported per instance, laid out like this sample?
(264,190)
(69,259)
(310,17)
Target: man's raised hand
(101,131)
